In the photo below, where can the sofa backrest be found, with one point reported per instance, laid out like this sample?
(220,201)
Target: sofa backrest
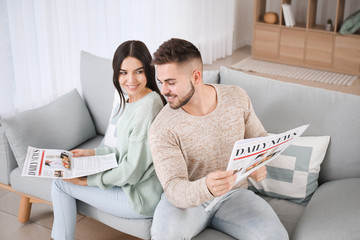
(97,88)
(282,106)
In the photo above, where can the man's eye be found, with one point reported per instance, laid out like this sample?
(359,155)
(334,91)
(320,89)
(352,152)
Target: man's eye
(171,83)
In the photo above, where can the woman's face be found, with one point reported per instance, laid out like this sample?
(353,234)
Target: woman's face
(132,78)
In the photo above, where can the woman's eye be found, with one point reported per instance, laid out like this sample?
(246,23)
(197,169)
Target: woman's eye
(139,72)
(122,73)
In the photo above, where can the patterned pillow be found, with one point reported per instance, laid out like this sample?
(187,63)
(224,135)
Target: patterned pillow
(294,174)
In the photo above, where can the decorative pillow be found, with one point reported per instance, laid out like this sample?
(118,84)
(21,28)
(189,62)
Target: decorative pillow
(62,124)
(351,24)
(293,175)
(97,86)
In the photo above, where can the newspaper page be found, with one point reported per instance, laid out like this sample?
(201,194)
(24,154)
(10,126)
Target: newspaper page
(250,154)
(54,163)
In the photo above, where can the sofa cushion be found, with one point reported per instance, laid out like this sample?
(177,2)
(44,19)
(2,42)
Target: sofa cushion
(62,124)
(33,186)
(332,213)
(97,88)
(280,105)
(288,212)
(136,227)
(294,174)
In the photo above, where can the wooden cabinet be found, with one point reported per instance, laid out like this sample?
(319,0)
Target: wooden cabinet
(306,44)
(347,53)
(319,49)
(292,46)
(266,42)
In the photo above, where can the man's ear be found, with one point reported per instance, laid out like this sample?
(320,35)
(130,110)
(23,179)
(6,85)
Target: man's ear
(197,76)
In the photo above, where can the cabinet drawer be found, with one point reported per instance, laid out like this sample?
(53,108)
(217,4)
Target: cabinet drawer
(319,49)
(292,46)
(266,41)
(347,54)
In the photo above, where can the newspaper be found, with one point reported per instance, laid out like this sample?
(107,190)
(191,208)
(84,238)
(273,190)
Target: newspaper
(250,154)
(54,163)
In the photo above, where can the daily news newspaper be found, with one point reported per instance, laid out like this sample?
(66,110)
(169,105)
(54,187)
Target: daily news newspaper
(250,154)
(54,163)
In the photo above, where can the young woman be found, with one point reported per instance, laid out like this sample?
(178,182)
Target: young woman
(132,190)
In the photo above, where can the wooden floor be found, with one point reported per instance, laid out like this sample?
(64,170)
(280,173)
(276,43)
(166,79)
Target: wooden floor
(245,52)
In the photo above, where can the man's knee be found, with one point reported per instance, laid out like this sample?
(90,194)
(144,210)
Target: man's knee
(173,223)
(165,232)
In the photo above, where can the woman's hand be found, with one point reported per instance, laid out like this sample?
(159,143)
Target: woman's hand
(82,181)
(83,152)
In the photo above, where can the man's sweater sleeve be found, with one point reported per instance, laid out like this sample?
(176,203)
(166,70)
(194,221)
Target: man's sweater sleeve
(171,169)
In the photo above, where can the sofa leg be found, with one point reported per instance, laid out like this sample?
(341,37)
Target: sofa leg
(24,209)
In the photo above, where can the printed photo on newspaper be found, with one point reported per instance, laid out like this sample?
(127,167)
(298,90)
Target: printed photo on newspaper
(55,163)
(250,154)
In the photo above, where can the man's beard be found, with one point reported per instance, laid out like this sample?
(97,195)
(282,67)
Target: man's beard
(183,101)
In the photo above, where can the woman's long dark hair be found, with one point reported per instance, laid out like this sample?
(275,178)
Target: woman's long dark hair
(138,50)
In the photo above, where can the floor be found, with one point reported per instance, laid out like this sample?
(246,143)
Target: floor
(39,227)
(245,52)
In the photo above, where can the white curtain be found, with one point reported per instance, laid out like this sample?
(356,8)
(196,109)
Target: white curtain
(41,40)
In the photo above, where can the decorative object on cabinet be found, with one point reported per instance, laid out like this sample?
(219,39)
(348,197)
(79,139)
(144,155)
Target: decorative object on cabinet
(328,25)
(270,17)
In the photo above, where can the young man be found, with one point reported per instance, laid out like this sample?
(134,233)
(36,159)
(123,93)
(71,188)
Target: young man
(191,141)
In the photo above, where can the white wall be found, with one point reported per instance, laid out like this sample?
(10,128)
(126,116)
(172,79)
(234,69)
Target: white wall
(243,25)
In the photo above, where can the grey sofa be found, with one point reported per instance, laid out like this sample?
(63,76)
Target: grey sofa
(332,212)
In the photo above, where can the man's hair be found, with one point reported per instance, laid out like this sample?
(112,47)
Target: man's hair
(176,50)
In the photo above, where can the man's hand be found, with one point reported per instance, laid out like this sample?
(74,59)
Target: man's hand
(259,174)
(82,181)
(220,182)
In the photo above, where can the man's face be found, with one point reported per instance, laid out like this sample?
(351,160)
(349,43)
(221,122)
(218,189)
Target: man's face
(176,84)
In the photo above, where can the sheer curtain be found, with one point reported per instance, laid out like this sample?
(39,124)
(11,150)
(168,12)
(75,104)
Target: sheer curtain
(41,40)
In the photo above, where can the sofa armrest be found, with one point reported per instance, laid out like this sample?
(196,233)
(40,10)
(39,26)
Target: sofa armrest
(7,159)
(332,213)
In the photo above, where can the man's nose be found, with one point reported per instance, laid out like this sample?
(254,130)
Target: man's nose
(164,89)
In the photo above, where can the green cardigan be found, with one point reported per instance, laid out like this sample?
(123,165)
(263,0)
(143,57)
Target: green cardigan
(135,172)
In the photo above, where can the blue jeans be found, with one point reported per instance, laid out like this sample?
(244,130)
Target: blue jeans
(240,213)
(64,196)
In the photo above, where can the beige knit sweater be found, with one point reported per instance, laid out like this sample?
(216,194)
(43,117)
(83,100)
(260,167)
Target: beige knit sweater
(187,148)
